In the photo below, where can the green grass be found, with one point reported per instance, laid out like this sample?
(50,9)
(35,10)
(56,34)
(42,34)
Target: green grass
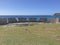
(40,34)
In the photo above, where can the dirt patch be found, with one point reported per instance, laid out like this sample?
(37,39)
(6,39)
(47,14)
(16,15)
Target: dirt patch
(57,37)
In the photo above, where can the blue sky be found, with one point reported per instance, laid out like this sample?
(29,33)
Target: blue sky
(29,7)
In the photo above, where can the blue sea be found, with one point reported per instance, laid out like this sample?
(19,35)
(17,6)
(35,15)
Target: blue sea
(28,16)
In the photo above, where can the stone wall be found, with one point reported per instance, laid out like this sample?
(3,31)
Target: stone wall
(12,20)
(43,20)
(3,21)
(54,20)
(32,19)
(22,19)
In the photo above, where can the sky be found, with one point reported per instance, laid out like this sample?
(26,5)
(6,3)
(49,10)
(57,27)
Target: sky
(29,7)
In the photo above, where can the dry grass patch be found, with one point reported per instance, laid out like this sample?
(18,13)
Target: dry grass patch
(40,34)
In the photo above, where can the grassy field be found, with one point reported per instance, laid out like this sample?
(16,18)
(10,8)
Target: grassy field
(40,34)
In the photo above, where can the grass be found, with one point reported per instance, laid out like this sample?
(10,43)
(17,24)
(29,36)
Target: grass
(40,34)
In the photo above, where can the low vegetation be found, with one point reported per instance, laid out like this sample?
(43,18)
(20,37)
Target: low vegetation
(39,34)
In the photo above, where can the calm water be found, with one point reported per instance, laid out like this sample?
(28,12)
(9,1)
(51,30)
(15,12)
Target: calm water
(28,16)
